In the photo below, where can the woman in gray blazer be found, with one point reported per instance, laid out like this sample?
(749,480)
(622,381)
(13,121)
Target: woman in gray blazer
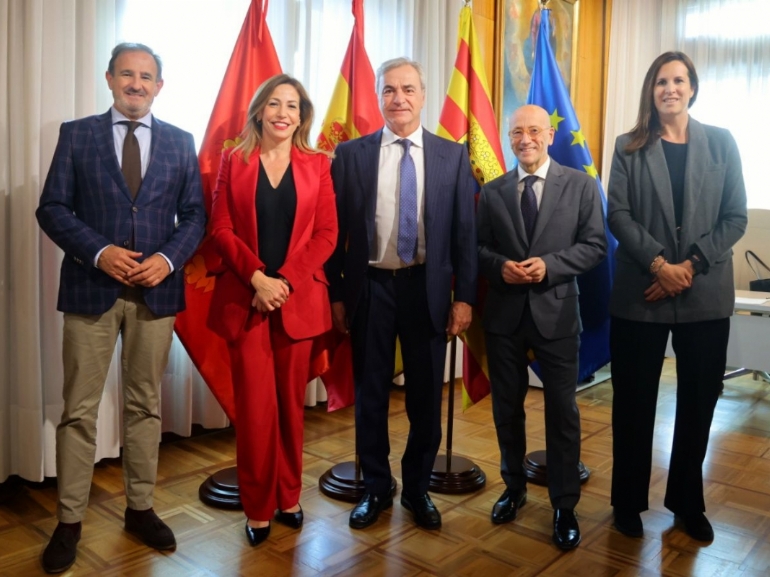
(677,205)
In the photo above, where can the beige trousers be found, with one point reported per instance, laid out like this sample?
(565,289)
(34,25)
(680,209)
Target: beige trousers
(89,343)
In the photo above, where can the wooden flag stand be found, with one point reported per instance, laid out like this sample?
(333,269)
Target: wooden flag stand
(345,482)
(451,474)
(220,490)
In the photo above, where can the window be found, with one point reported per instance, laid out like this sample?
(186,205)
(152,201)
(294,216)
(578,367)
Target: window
(729,42)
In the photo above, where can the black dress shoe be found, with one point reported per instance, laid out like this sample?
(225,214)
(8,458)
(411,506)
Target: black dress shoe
(566,532)
(368,510)
(293,520)
(629,523)
(508,505)
(425,513)
(256,535)
(696,526)
(150,530)
(59,554)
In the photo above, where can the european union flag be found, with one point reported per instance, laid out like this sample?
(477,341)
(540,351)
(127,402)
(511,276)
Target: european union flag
(569,148)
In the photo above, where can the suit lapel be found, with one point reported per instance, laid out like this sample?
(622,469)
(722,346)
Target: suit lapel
(159,144)
(509,193)
(434,160)
(661,183)
(243,187)
(552,191)
(306,181)
(105,144)
(698,158)
(366,159)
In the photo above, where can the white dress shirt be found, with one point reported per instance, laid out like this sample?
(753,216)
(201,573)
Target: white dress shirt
(538,186)
(384,253)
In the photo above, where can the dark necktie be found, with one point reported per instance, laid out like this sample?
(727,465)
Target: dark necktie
(407,206)
(529,206)
(132,159)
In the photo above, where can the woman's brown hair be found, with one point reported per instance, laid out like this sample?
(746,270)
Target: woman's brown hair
(648,122)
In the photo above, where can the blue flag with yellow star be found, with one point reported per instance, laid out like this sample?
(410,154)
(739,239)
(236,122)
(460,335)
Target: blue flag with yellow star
(569,148)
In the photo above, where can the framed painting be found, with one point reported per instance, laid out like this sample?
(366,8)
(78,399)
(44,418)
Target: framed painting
(518,25)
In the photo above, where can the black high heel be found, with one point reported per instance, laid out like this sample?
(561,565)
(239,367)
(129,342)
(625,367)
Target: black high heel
(256,535)
(293,520)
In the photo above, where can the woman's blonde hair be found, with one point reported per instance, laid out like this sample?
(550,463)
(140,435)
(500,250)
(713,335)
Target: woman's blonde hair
(251,135)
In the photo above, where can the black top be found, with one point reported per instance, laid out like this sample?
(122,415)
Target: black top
(275,218)
(676,158)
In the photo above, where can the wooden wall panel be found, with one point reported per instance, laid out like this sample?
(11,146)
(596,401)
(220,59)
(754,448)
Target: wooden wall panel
(591,62)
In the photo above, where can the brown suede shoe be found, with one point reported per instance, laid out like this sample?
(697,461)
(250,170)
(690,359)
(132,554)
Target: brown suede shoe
(150,530)
(59,554)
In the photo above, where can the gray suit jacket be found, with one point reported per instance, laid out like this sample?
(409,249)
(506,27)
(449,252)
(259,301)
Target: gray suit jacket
(569,236)
(641,216)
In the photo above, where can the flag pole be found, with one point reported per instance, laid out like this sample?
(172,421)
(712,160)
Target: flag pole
(453,474)
(535,465)
(253,61)
(356,101)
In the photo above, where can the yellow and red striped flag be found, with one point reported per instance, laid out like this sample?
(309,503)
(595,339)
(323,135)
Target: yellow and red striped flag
(468,118)
(253,61)
(353,112)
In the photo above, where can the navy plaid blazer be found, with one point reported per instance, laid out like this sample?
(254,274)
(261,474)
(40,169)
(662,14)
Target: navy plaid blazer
(86,205)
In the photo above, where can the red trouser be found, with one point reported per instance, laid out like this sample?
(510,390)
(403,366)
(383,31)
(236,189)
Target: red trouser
(270,374)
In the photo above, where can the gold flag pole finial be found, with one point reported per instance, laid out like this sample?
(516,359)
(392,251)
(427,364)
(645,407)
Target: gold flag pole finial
(466,2)
(544,4)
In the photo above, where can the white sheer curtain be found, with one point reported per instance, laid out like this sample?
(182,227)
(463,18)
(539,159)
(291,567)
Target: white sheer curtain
(639,32)
(51,59)
(729,42)
(53,54)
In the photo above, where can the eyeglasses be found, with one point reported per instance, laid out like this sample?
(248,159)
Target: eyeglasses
(533,132)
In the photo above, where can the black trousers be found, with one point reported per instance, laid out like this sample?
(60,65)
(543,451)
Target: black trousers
(509,380)
(637,350)
(393,306)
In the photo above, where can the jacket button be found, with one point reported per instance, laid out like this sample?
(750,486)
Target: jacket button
(125,243)
(134,209)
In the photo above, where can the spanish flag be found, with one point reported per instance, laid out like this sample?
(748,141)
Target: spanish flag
(353,112)
(253,61)
(467,117)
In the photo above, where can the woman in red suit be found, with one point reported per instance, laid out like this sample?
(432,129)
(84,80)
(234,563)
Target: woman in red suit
(274,224)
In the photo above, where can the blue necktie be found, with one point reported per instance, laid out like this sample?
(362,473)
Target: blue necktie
(407,206)
(529,206)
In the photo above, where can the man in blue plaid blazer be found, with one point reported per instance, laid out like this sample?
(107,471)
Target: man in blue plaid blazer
(123,200)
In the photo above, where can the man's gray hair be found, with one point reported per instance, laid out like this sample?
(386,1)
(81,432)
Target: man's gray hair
(389,65)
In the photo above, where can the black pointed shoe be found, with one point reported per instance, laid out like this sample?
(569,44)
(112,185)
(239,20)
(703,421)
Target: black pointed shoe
(150,529)
(566,532)
(368,510)
(425,513)
(507,506)
(257,535)
(59,554)
(293,520)
(696,526)
(629,523)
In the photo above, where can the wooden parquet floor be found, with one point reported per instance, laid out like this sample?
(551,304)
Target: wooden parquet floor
(212,542)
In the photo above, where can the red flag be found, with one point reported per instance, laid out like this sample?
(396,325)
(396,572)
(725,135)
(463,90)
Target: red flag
(467,117)
(253,61)
(353,111)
